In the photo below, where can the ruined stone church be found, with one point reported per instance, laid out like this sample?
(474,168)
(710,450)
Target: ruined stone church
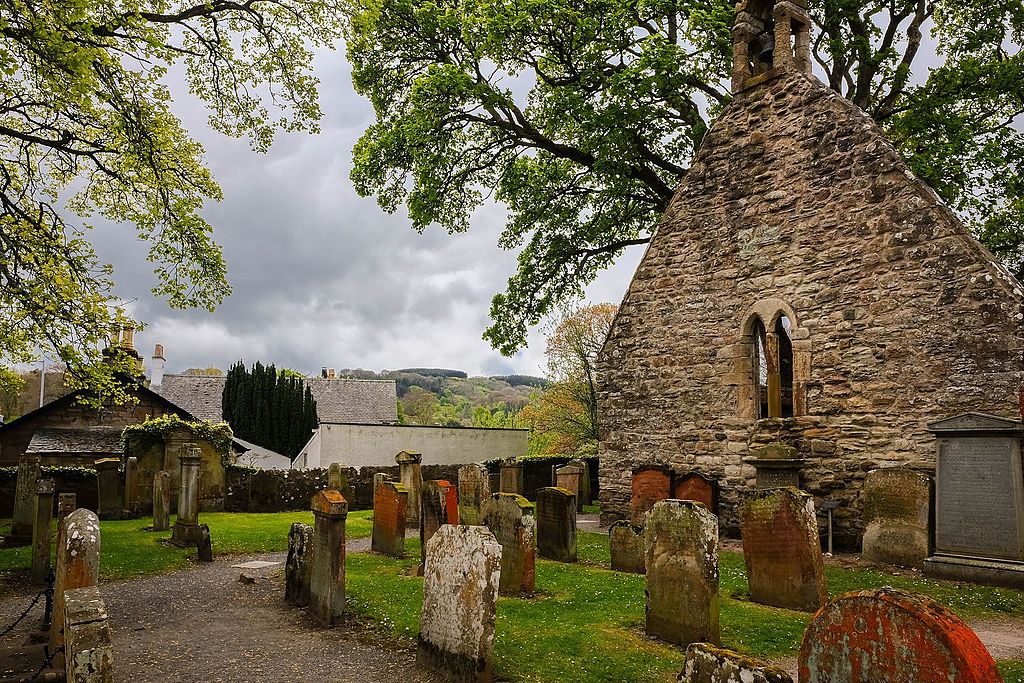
(803,287)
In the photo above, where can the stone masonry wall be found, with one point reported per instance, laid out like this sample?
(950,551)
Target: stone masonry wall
(797,204)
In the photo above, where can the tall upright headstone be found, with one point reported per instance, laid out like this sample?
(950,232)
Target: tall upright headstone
(681,548)
(131,484)
(887,635)
(626,542)
(584,497)
(108,488)
(338,480)
(327,575)
(410,474)
(42,531)
(474,489)
(460,595)
(389,502)
(979,500)
(511,519)
(438,505)
(511,477)
(78,564)
(896,508)
(161,500)
(66,504)
(25,496)
(782,550)
(186,524)
(570,478)
(297,566)
(556,524)
(204,544)
(650,484)
(695,486)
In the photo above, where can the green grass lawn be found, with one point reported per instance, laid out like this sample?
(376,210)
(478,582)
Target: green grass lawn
(585,623)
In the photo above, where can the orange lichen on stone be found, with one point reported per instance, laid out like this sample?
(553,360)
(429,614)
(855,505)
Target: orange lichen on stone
(895,637)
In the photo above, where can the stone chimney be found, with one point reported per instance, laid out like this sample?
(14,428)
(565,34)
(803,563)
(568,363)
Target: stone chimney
(156,377)
(330,373)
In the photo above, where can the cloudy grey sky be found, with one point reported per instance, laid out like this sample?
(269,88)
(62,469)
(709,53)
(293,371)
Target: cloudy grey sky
(321,276)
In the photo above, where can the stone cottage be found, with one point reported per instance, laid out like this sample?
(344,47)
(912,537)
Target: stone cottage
(802,287)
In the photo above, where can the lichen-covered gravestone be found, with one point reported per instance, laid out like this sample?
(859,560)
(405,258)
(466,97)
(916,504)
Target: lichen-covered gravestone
(584,496)
(556,524)
(695,486)
(511,519)
(66,504)
(460,595)
(410,474)
(782,550)
(389,502)
(161,500)
(41,531)
(570,478)
(25,496)
(78,564)
(681,548)
(474,489)
(890,636)
(438,505)
(131,485)
(896,503)
(296,567)
(327,574)
(650,484)
(627,547)
(511,477)
(186,524)
(706,663)
(338,480)
(88,647)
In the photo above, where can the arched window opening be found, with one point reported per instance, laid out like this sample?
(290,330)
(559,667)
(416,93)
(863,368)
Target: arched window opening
(760,368)
(783,330)
(773,368)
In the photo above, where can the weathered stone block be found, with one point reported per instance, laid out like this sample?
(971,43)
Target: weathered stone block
(78,564)
(161,501)
(695,486)
(338,480)
(438,505)
(474,489)
(556,524)
(186,524)
(570,478)
(651,483)
(42,531)
(66,504)
(88,647)
(782,550)
(389,518)
(895,637)
(511,477)
(327,572)
(460,595)
(627,547)
(896,506)
(584,497)
(681,551)
(511,519)
(204,544)
(411,476)
(25,496)
(706,663)
(297,566)
(131,485)
(108,488)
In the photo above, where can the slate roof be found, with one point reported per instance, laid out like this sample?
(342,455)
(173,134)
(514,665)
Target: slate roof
(353,401)
(83,440)
(264,458)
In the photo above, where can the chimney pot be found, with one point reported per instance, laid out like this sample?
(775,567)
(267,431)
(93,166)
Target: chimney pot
(128,337)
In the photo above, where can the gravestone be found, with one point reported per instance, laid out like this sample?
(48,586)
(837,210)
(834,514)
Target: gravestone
(556,524)
(327,573)
(777,465)
(25,496)
(41,531)
(474,489)
(438,505)
(494,479)
(204,544)
(78,564)
(338,480)
(706,663)
(66,504)
(782,550)
(379,478)
(88,647)
(511,477)
(161,500)
(186,524)
(896,506)
(889,636)
(108,488)
(695,486)
(681,555)
(979,501)
(131,485)
(389,502)
(650,484)
(585,496)
(264,491)
(627,547)
(460,595)
(410,475)
(511,519)
(570,478)
(297,566)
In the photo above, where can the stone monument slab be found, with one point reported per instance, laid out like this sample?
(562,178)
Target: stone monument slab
(474,489)
(627,547)
(650,484)
(695,486)
(511,519)
(896,508)
(410,474)
(389,518)
(556,524)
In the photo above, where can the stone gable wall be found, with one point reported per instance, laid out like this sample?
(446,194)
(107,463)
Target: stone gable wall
(796,203)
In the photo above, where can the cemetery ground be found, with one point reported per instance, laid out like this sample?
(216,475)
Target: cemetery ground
(585,622)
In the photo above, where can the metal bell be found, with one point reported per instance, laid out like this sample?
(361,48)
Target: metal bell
(764,45)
